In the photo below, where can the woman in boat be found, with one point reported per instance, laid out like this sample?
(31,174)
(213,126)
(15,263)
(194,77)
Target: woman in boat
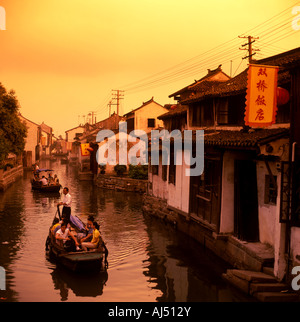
(87,235)
(97,239)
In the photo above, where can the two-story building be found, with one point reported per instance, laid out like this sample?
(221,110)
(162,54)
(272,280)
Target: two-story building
(235,207)
(46,139)
(145,117)
(32,142)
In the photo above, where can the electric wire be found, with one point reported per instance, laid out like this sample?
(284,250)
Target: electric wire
(270,31)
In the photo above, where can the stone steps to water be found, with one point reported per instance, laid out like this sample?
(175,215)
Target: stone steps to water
(262,286)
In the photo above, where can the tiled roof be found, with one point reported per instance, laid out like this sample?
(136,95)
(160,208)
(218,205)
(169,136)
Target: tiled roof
(144,104)
(203,82)
(238,84)
(179,110)
(250,139)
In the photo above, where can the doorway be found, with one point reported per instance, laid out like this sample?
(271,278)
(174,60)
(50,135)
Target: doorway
(246,202)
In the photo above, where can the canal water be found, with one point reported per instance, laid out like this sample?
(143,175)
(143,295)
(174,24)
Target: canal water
(149,261)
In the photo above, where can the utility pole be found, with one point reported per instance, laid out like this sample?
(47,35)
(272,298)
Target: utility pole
(92,113)
(251,50)
(117,95)
(109,111)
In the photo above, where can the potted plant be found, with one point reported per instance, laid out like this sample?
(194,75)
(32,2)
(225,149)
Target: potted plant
(102,168)
(120,169)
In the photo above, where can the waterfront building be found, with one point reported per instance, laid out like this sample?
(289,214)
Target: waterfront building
(243,206)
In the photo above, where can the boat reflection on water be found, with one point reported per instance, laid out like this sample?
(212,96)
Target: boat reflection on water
(80,284)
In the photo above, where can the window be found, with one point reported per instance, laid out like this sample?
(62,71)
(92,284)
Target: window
(222,111)
(151,122)
(202,114)
(270,189)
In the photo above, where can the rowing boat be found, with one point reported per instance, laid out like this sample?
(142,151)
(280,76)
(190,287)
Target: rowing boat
(37,185)
(77,261)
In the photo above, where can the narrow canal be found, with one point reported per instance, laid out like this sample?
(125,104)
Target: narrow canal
(148,260)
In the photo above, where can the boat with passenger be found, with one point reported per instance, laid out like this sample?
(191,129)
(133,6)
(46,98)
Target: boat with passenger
(66,254)
(43,181)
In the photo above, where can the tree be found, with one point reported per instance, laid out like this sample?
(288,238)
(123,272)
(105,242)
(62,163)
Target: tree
(12,130)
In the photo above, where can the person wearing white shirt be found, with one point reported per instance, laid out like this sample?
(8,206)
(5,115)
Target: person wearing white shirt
(44,181)
(64,234)
(66,203)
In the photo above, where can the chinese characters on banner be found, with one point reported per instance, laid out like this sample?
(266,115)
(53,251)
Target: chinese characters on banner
(85,149)
(261,98)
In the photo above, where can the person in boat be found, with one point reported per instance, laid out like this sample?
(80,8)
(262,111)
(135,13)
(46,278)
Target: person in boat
(97,239)
(56,226)
(63,235)
(55,179)
(87,235)
(35,167)
(50,179)
(44,181)
(66,203)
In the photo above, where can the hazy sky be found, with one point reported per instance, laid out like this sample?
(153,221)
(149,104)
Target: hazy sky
(64,57)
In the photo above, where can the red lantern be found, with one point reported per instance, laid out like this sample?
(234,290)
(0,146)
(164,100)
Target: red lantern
(283,96)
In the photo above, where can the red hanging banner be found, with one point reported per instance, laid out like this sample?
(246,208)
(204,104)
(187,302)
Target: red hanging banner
(261,98)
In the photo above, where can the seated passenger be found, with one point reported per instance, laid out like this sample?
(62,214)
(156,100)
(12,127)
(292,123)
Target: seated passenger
(56,181)
(44,181)
(97,239)
(64,234)
(88,234)
(55,224)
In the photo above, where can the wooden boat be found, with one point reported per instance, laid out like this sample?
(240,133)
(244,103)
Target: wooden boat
(77,261)
(37,185)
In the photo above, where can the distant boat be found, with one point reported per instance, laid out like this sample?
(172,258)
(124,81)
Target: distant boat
(37,184)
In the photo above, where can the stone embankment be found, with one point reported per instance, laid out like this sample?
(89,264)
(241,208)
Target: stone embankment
(262,286)
(10,176)
(121,183)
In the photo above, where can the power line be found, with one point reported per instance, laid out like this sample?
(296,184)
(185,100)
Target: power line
(224,53)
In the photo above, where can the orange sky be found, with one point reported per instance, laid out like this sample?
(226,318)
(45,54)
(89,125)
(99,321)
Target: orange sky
(64,57)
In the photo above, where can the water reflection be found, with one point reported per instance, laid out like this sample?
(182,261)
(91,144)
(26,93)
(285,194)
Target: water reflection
(183,270)
(81,285)
(148,260)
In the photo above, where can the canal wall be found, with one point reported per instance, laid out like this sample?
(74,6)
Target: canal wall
(239,254)
(10,176)
(121,183)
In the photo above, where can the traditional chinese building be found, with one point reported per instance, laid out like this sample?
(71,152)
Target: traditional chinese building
(239,206)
